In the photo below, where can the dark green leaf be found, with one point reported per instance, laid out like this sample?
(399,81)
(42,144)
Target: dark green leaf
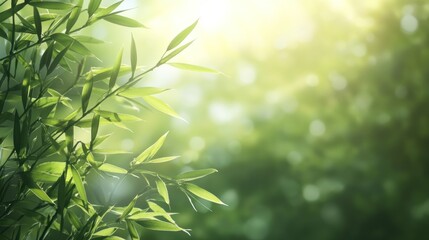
(69,133)
(37,22)
(17,133)
(75,45)
(132,230)
(45,60)
(57,59)
(196,174)
(8,13)
(94,127)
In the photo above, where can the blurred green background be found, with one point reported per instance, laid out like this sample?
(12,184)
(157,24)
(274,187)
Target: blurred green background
(319,125)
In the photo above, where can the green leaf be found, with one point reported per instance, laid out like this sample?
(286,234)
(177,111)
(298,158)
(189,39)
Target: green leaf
(88,39)
(163,159)
(79,184)
(74,15)
(123,21)
(17,133)
(159,225)
(51,5)
(161,106)
(45,60)
(142,91)
(25,89)
(8,13)
(48,172)
(181,36)
(107,167)
(132,230)
(158,209)
(104,73)
(86,92)
(202,193)
(105,232)
(37,22)
(94,127)
(162,190)
(133,56)
(174,53)
(75,45)
(93,6)
(115,70)
(69,134)
(196,174)
(191,67)
(36,190)
(43,17)
(150,151)
(128,208)
(57,59)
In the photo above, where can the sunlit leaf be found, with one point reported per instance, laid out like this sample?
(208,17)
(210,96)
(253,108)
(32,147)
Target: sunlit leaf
(93,6)
(86,92)
(159,225)
(202,193)
(161,106)
(115,70)
(150,151)
(181,36)
(128,209)
(79,184)
(163,159)
(162,190)
(123,21)
(105,232)
(51,5)
(132,230)
(48,172)
(196,174)
(107,167)
(191,67)
(74,15)
(174,53)
(142,91)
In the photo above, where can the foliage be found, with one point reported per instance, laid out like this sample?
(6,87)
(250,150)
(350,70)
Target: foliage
(48,94)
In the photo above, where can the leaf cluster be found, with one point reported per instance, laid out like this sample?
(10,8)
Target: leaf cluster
(43,165)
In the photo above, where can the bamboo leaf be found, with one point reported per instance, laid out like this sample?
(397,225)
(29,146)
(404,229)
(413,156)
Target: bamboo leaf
(94,128)
(107,167)
(57,59)
(142,91)
(36,190)
(159,225)
(174,53)
(115,70)
(37,22)
(123,21)
(79,184)
(161,106)
(128,208)
(48,172)
(133,56)
(132,230)
(86,92)
(74,15)
(17,133)
(191,67)
(150,151)
(105,232)
(196,174)
(181,36)
(162,190)
(93,6)
(202,193)
(9,12)
(51,5)
(163,159)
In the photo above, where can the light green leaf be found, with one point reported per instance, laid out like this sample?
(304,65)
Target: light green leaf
(158,209)
(196,174)
(133,55)
(150,151)
(132,230)
(74,15)
(75,45)
(107,167)
(88,39)
(142,91)
(174,53)
(79,184)
(86,92)
(105,232)
(94,127)
(9,12)
(51,5)
(159,225)
(191,67)
(202,193)
(163,159)
(104,73)
(93,6)
(48,172)
(161,106)
(162,190)
(115,70)
(181,36)
(36,190)
(123,21)
(128,208)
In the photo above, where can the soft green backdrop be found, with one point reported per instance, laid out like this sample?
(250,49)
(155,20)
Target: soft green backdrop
(319,125)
